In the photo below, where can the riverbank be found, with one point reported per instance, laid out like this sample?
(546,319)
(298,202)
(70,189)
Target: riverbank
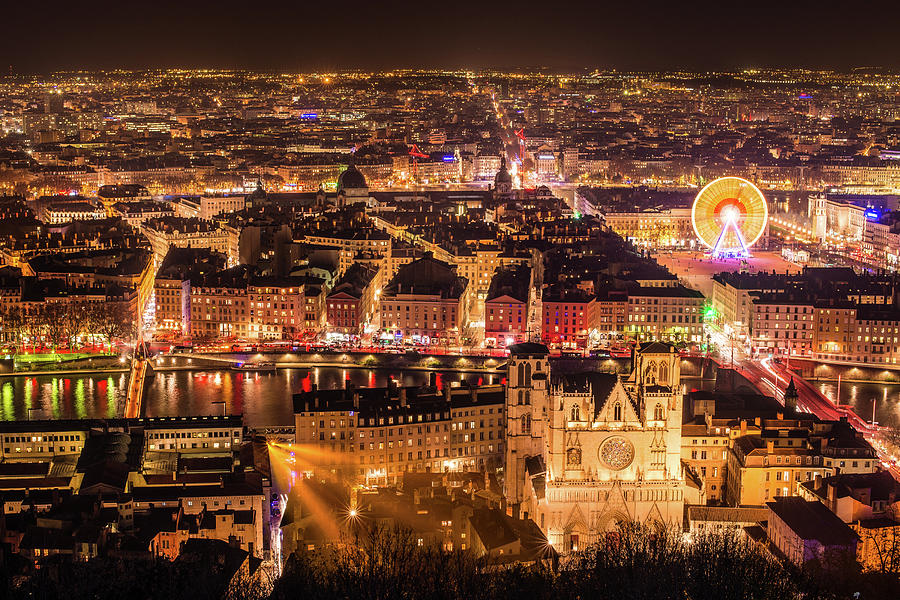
(830,372)
(61,364)
(325,365)
(63,372)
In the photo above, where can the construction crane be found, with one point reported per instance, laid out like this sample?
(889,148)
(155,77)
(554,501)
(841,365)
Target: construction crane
(521,135)
(416,154)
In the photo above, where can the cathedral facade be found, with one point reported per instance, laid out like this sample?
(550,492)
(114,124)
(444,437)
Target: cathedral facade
(610,449)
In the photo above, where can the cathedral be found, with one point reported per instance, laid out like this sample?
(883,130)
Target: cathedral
(585,452)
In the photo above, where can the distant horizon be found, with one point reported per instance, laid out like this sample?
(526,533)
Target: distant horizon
(500,69)
(651,36)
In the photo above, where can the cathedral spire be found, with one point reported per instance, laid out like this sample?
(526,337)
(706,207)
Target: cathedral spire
(791,396)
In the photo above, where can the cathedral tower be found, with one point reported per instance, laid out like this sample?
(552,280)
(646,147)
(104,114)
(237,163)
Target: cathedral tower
(528,372)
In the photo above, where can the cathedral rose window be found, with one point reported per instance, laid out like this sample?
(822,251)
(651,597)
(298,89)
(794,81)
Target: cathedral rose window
(573,457)
(617,452)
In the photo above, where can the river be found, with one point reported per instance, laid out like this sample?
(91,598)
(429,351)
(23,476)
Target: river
(864,396)
(862,388)
(264,399)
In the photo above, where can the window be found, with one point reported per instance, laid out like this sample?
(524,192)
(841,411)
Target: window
(663,374)
(617,411)
(658,412)
(576,413)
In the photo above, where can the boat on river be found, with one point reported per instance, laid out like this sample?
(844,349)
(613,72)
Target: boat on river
(255,367)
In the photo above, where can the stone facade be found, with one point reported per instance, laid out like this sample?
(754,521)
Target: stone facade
(611,451)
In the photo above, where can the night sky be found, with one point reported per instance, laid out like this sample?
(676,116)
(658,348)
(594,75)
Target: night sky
(304,35)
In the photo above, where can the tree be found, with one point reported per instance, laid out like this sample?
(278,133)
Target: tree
(217,180)
(53,318)
(635,562)
(112,321)
(891,435)
(13,326)
(76,322)
(880,544)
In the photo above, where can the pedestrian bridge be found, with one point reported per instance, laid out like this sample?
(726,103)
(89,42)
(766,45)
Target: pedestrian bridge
(140,365)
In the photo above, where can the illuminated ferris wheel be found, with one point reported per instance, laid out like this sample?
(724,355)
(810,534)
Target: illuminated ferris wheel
(729,216)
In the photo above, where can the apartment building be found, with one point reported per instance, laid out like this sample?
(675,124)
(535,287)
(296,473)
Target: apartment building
(704,449)
(565,317)
(277,309)
(352,303)
(236,304)
(352,242)
(666,228)
(238,496)
(425,302)
(171,296)
(35,440)
(780,324)
(234,526)
(507,307)
(374,435)
(59,212)
(207,207)
(670,314)
(166,232)
(219,305)
(607,315)
(193,435)
(789,452)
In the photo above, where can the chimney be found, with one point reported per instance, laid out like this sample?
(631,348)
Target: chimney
(355,400)
(757,422)
(770,446)
(779,416)
(743,427)
(402,396)
(447,392)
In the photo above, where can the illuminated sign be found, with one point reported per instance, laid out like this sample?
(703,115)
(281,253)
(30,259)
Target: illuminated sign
(872,214)
(309,116)
(448,158)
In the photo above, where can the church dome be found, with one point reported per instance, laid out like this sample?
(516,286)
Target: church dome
(351,179)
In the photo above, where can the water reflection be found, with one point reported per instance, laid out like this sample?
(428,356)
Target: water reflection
(880,399)
(263,398)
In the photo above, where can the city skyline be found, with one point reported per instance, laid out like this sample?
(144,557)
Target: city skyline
(257,325)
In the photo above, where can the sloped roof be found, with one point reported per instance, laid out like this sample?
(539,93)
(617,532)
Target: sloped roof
(656,348)
(813,521)
(881,485)
(528,349)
